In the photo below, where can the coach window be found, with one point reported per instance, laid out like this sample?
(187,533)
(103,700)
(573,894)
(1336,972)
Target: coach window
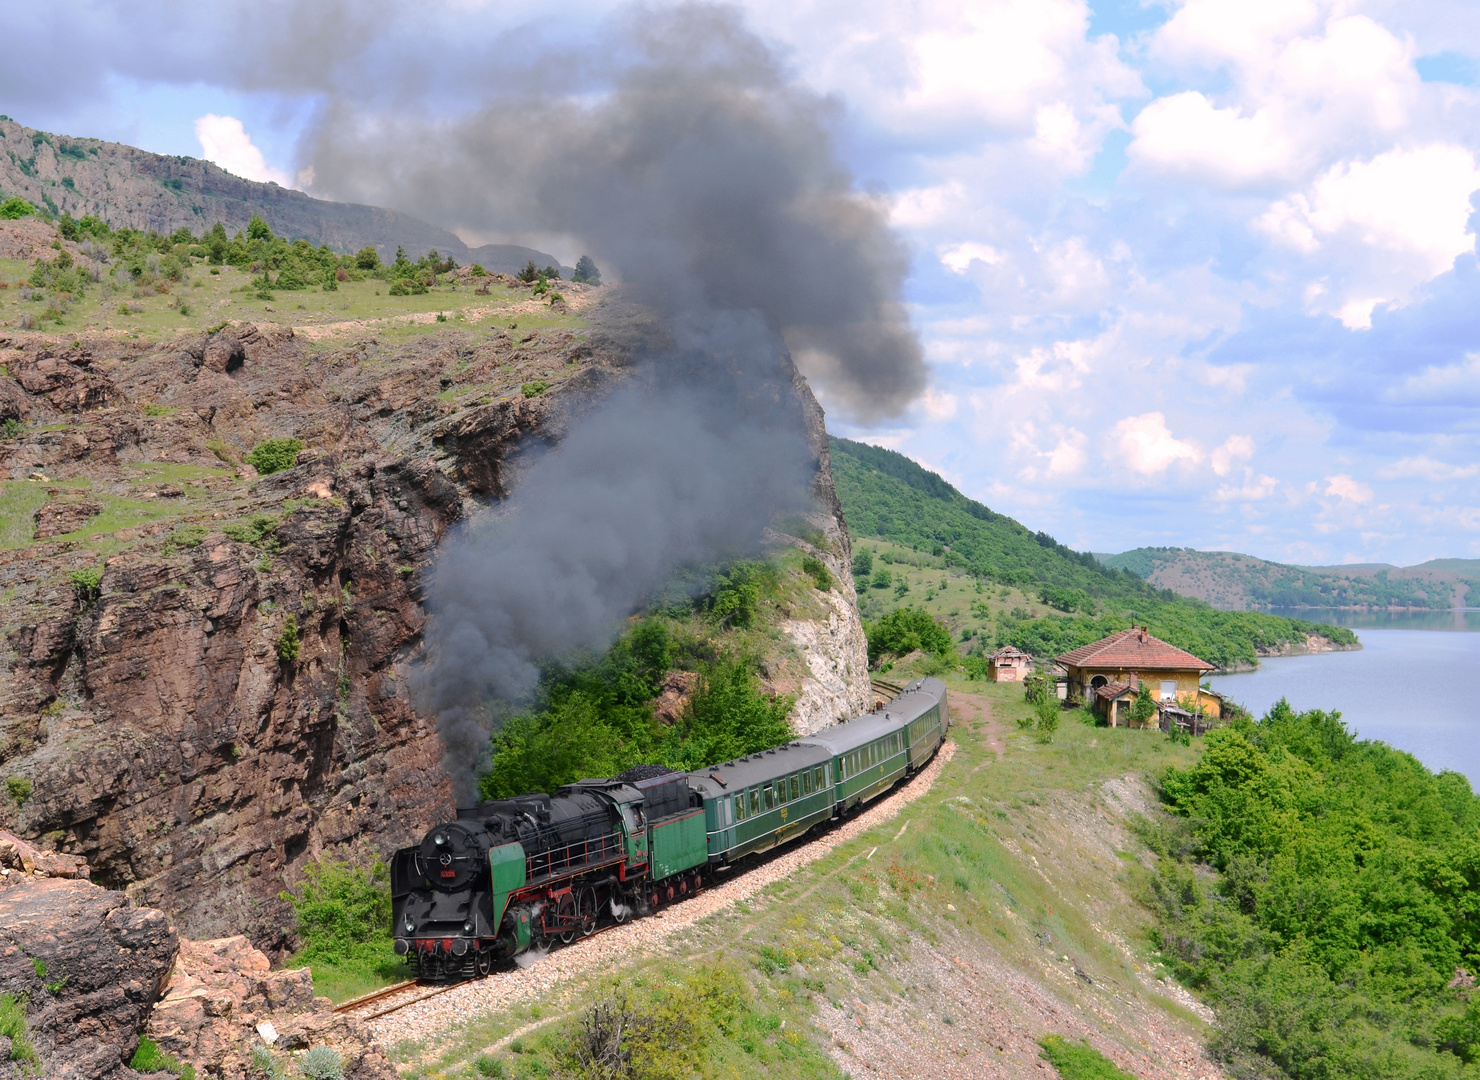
(768,797)
(755,802)
(807,783)
(793,789)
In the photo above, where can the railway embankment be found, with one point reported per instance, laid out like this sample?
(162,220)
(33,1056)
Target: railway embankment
(989,904)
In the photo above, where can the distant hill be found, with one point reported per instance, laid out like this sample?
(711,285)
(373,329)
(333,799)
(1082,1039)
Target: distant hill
(129,187)
(888,497)
(1227,579)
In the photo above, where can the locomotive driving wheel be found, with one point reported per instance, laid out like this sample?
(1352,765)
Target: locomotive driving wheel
(588,911)
(620,909)
(483,962)
(565,918)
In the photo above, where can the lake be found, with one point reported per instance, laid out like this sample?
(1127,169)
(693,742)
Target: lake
(1412,685)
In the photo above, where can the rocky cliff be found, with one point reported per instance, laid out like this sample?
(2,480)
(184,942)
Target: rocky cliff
(204,673)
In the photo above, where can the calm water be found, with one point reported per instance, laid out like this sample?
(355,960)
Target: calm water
(1415,685)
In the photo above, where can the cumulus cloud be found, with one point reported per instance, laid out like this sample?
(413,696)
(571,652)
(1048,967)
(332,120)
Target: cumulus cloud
(1146,445)
(224,141)
(1409,208)
(1343,487)
(1235,447)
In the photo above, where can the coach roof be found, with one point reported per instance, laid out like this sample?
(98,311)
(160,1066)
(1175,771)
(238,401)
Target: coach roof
(757,768)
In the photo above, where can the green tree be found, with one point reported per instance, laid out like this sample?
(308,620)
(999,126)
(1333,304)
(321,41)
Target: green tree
(15,207)
(529,274)
(586,271)
(727,717)
(863,564)
(1143,707)
(905,630)
(367,258)
(257,229)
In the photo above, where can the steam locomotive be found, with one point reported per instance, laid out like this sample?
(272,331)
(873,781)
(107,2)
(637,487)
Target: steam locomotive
(515,875)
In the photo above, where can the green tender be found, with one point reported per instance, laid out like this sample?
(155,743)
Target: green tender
(678,844)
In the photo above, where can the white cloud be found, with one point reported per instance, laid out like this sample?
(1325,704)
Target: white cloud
(1254,488)
(1343,487)
(1235,446)
(1454,384)
(224,141)
(1186,134)
(1409,208)
(1146,445)
(958,257)
(1426,468)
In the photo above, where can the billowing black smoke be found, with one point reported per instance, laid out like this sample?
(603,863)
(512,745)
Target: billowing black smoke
(706,182)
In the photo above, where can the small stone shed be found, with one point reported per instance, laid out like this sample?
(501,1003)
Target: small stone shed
(1009,664)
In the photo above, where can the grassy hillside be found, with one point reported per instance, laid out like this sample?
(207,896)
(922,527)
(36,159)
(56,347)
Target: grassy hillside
(1228,579)
(922,543)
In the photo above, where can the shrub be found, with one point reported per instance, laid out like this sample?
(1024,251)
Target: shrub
(529,274)
(88,580)
(367,258)
(406,287)
(488,1065)
(476,270)
(18,788)
(188,536)
(257,229)
(727,717)
(903,631)
(1046,712)
(17,207)
(321,1063)
(274,455)
(288,644)
(256,530)
(863,564)
(534,389)
(1144,707)
(13,1027)
(818,572)
(149,1058)
(342,910)
(11,429)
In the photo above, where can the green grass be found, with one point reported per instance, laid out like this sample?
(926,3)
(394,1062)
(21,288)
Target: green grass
(19,501)
(149,1058)
(13,1027)
(1080,1061)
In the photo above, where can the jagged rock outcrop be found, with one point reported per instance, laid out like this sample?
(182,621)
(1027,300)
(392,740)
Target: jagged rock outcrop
(168,736)
(223,1000)
(89,966)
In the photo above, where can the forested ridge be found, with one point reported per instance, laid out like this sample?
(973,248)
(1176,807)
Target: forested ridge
(886,495)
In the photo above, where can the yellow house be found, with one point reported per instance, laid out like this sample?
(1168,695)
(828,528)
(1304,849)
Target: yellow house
(1108,674)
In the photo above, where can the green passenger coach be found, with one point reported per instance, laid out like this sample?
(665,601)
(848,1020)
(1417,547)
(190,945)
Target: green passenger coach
(756,802)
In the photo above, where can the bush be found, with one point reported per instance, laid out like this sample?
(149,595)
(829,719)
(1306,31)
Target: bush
(18,788)
(274,455)
(288,644)
(149,1058)
(1046,712)
(529,275)
(342,911)
(88,581)
(15,207)
(256,530)
(727,717)
(863,564)
(903,631)
(367,258)
(321,1063)
(534,389)
(11,429)
(818,572)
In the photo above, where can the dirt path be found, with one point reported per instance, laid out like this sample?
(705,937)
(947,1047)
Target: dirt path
(975,711)
(503,989)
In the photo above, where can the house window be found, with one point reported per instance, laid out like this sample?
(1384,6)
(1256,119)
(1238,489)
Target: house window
(1168,689)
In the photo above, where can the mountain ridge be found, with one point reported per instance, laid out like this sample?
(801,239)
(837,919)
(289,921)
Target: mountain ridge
(129,187)
(1230,579)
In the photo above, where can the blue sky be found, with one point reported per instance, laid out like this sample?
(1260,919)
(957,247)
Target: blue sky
(1195,273)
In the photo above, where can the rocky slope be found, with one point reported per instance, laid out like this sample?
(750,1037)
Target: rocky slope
(152,719)
(129,187)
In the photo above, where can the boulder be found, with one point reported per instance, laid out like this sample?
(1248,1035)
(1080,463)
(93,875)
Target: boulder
(17,855)
(223,1000)
(89,966)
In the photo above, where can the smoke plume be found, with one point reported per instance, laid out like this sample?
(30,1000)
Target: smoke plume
(699,175)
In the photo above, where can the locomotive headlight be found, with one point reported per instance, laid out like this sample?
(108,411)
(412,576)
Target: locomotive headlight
(439,839)
(410,926)
(402,946)
(467,928)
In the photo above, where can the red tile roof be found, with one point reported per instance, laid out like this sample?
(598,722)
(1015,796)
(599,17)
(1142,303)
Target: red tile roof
(1134,650)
